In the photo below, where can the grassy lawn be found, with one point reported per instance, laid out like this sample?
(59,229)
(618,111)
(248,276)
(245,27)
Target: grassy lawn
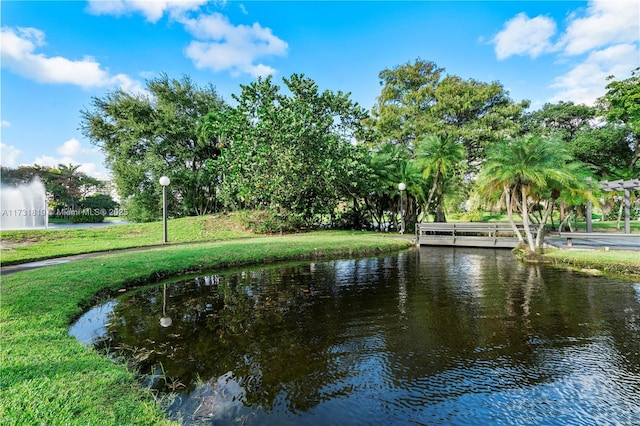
(47,377)
(31,245)
(614,261)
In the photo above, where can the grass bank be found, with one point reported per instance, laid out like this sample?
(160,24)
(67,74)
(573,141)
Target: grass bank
(47,377)
(32,245)
(619,262)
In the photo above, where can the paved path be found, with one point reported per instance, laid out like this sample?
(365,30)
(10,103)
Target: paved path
(611,242)
(10,269)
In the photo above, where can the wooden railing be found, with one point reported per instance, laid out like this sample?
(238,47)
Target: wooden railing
(491,234)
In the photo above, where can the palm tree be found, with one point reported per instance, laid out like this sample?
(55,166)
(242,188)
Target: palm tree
(440,159)
(530,167)
(390,165)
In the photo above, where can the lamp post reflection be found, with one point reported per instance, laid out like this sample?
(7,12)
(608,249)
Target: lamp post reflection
(165,321)
(401,188)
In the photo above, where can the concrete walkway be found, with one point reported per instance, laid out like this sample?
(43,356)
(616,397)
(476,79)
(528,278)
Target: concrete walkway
(610,242)
(10,269)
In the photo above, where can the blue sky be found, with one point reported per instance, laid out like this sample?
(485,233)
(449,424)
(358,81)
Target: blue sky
(57,55)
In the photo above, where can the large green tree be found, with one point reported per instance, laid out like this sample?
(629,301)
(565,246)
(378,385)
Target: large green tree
(621,105)
(148,135)
(292,152)
(417,99)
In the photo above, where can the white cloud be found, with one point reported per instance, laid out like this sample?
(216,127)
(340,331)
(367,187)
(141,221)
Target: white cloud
(224,46)
(18,53)
(8,155)
(601,40)
(525,36)
(88,167)
(92,170)
(153,10)
(5,123)
(73,147)
(72,152)
(219,45)
(605,22)
(49,161)
(587,81)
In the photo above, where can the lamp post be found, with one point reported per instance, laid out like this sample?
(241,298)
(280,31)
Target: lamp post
(164,181)
(589,208)
(401,187)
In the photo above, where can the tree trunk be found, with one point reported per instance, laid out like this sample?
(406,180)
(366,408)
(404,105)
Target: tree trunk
(509,203)
(433,190)
(547,212)
(620,214)
(525,219)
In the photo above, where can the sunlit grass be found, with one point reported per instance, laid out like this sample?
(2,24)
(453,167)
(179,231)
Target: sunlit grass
(613,261)
(31,245)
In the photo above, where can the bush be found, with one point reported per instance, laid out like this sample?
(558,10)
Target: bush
(87,218)
(271,221)
(351,219)
(99,201)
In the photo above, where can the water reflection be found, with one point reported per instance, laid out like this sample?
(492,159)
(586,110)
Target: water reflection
(432,336)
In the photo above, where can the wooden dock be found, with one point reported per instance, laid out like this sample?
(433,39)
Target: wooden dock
(497,235)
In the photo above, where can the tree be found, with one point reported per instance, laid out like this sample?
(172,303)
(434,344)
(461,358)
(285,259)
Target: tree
(605,147)
(476,114)
(530,168)
(68,186)
(21,175)
(289,153)
(408,93)
(563,120)
(147,136)
(417,100)
(439,159)
(384,165)
(621,105)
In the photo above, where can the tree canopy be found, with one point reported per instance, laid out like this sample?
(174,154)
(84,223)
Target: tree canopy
(309,156)
(418,99)
(147,136)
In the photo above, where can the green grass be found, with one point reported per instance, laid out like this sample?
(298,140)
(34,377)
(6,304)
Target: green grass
(32,245)
(622,262)
(611,226)
(47,377)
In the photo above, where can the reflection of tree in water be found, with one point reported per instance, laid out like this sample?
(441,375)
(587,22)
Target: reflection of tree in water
(261,325)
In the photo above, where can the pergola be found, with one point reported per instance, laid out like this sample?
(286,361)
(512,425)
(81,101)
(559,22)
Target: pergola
(614,186)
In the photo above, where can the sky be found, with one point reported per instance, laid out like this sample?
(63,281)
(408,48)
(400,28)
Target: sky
(56,56)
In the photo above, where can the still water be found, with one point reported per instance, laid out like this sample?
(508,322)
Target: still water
(430,336)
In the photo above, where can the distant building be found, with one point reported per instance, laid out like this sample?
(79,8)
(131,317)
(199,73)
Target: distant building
(110,188)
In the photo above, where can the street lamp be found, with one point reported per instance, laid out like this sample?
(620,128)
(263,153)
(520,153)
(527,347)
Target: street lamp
(589,208)
(164,181)
(401,187)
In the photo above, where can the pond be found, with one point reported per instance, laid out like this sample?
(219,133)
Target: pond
(429,336)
